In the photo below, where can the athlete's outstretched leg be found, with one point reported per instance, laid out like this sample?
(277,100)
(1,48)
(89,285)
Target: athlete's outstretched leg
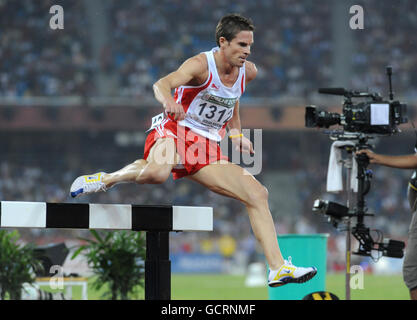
(128,173)
(233,181)
(154,170)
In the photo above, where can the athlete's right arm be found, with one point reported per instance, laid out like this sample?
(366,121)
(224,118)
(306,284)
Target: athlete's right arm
(189,70)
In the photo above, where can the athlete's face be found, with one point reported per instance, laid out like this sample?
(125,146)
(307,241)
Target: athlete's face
(238,49)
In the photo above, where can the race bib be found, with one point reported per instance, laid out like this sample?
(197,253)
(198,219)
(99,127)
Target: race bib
(156,121)
(213,111)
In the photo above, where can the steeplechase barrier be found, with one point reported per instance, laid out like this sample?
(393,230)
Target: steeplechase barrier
(156,220)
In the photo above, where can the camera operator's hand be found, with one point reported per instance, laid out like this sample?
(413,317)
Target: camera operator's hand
(373,157)
(400,162)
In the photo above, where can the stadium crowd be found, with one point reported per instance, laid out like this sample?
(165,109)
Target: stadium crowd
(291,38)
(285,54)
(38,61)
(385,41)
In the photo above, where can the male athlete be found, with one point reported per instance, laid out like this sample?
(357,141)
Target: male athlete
(206,101)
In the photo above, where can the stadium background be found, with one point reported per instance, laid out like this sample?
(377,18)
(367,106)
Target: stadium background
(79,100)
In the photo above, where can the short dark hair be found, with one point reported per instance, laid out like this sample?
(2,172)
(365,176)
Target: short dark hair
(230,25)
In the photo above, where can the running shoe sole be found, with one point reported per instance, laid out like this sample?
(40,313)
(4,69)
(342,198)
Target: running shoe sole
(77,193)
(302,279)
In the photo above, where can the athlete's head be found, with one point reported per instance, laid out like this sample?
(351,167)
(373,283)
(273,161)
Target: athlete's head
(234,35)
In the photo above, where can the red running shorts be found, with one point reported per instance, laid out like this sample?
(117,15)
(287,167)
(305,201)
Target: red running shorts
(195,151)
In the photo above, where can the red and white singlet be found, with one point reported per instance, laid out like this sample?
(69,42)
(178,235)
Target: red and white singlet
(209,107)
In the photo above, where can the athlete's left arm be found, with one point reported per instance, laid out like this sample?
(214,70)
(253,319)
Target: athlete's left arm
(234,125)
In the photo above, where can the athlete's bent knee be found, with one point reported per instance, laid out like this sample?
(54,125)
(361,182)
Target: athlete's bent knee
(257,195)
(140,162)
(154,175)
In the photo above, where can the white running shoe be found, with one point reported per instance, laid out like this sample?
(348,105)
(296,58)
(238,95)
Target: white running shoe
(288,273)
(88,184)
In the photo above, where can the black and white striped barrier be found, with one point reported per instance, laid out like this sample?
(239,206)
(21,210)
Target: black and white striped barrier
(156,220)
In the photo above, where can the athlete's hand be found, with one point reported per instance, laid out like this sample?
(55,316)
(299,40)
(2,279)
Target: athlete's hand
(373,157)
(175,110)
(243,145)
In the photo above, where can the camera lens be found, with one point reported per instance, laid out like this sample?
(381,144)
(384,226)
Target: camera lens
(310,117)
